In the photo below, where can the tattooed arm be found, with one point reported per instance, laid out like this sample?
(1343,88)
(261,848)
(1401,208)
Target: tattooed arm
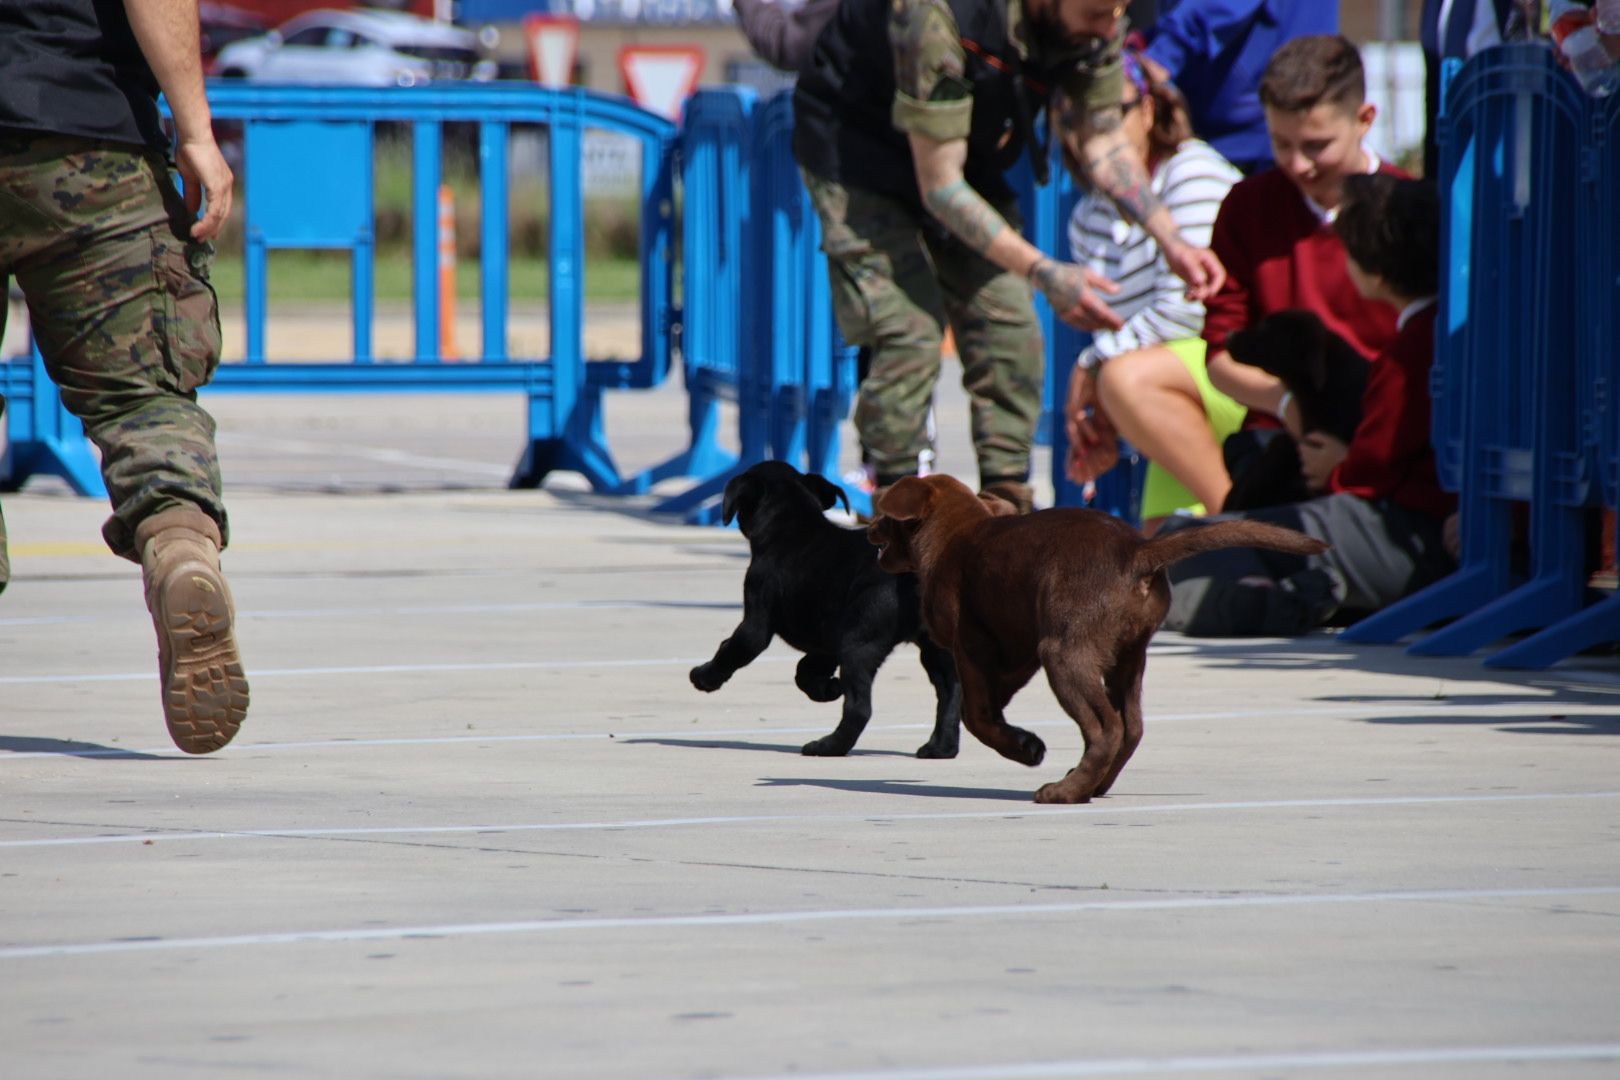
(1072,290)
(1116,169)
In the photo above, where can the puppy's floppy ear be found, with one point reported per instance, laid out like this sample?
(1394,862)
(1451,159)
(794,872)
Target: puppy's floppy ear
(742,493)
(826,492)
(999,507)
(907,500)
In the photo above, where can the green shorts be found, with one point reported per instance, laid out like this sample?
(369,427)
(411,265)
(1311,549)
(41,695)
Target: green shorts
(1163,494)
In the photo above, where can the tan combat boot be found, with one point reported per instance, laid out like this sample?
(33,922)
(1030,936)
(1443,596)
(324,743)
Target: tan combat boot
(205,693)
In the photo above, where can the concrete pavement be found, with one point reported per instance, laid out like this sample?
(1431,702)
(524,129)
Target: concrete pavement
(479,825)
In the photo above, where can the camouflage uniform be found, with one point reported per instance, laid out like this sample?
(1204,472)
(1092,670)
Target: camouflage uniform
(119,300)
(898,275)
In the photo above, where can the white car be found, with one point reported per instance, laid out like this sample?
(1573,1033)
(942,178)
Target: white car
(360,48)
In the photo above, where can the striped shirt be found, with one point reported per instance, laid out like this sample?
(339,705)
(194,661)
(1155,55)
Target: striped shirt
(1151,299)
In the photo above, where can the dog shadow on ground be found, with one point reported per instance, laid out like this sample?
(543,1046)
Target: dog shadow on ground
(737,744)
(26,744)
(900,787)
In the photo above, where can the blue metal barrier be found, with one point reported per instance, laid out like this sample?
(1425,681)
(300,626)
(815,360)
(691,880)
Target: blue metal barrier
(765,333)
(714,155)
(1597,257)
(1506,375)
(789,321)
(42,437)
(308,183)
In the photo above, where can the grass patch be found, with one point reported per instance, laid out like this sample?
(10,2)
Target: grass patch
(324,275)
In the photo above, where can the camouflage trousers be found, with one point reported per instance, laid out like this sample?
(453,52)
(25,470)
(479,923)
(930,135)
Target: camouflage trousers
(119,302)
(897,279)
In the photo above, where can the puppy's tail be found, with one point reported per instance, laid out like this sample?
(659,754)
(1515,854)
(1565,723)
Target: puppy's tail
(1161,551)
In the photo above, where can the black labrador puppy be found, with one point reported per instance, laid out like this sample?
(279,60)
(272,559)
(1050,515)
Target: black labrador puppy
(818,587)
(1326,376)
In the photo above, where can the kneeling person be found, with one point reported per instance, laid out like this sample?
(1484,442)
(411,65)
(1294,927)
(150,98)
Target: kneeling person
(1381,505)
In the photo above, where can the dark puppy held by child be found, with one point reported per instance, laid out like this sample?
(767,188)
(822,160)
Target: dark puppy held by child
(1074,592)
(1326,378)
(1376,498)
(818,587)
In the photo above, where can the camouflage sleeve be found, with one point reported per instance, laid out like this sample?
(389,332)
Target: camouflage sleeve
(1098,81)
(932,95)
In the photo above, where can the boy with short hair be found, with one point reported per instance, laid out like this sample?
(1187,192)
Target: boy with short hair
(1274,231)
(1382,509)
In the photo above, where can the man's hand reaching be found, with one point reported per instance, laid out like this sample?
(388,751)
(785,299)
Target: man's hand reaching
(1072,291)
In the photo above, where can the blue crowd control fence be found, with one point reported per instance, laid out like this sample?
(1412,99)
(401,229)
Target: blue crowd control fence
(714,154)
(42,437)
(765,335)
(1522,413)
(308,184)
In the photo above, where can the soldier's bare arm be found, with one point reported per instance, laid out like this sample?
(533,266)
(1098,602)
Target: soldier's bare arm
(168,33)
(1071,290)
(1098,141)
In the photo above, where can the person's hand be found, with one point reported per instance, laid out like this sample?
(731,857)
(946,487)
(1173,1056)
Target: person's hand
(205,172)
(1093,442)
(1199,267)
(1319,453)
(1451,535)
(1072,291)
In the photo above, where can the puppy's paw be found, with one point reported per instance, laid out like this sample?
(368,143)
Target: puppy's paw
(1059,793)
(1026,748)
(827,746)
(708,678)
(937,750)
(828,689)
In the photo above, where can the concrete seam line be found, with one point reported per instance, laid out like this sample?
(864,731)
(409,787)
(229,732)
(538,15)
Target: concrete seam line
(1319,1059)
(535,926)
(1029,812)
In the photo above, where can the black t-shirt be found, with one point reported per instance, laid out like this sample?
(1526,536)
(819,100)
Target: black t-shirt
(73,67)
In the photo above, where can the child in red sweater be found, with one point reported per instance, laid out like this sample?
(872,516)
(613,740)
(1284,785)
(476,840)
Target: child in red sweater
(1273,234)
(1275,230)
(1382,508)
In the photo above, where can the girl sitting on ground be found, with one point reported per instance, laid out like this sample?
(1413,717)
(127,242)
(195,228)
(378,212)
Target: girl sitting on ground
(1146,381)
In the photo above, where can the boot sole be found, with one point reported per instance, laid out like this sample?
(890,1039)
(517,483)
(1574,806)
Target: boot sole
(205,692)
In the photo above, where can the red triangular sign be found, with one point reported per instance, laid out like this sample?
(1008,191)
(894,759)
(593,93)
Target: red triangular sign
(553,43)
(660,78)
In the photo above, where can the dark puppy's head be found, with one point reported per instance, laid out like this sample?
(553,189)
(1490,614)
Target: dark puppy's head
(776,485)
(905,507)
(1291,345)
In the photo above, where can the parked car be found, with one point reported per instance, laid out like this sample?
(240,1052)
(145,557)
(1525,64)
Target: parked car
(222,24)
(365,48)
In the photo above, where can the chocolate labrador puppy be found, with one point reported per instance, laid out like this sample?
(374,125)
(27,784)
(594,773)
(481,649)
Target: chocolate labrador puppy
(1327,378)
(818,587)
(1076,592)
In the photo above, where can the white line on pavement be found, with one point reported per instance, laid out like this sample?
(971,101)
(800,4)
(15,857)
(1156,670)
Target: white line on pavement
(1097,810)
(365,453)
(778,918)
(374,669)
(1510,711)
(249,614)
(1248,1064)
